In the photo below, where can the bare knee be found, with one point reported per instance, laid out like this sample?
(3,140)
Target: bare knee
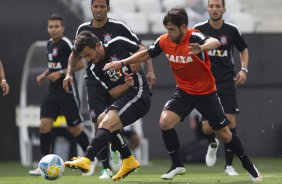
(168,120)
(75,130)
(46,125)
(207,129)
(224,134)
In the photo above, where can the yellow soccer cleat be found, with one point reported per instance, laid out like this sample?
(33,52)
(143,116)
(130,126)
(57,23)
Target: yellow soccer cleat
(128,165)
(81,163)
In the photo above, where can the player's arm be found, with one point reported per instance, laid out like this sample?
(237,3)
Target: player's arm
(209,44)
(74,64)
(4,85)
(151,77)
(241,77)
(137,57)
(41,77)
(121,89)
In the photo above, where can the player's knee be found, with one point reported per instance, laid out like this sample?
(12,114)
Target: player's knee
(165,125)
(224,134)
(46,125)
(75,130)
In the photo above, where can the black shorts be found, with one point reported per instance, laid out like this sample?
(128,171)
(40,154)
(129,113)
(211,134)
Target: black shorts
(227,94)
(208,105)
(55,105)
(98,98)
(134,104)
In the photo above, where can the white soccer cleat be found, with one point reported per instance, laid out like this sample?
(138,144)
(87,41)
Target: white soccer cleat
(106,174)
(258,178)
(173,172)
(35,172)
(211,154)
(116,162)
(92,168)
(230,171)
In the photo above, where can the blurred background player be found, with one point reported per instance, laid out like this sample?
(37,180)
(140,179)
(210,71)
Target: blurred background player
(195,151)
(57,101)
(222,67)
(98,98)
(4,85)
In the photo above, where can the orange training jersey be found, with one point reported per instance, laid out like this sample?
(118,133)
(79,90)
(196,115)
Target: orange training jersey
(191,72)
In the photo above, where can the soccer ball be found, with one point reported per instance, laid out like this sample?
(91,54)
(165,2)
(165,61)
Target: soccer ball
(51,167)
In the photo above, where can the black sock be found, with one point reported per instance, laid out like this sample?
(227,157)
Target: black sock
(82,140)
(237,148)
(210,138)
(103,156)
(228,152)
(118,143)
(99,142)
(171,142)
(45,143)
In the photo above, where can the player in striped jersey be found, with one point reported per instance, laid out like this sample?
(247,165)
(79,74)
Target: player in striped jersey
(57,101)
(129,90)
(105,29)
(222,67)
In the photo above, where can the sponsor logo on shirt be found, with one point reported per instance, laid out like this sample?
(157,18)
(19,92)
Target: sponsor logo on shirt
(218,53)
(179,59)
(52,65)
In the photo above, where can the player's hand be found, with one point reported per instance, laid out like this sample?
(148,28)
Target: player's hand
(151,77)
(67,82)
(40,79)
(240,78)
(135,68)
(5,87)
(54,76)
(114,65)
(195,48)
(129,79)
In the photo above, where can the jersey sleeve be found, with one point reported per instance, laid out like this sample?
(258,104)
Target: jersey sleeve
(198,37)
(239,41)
(155,49)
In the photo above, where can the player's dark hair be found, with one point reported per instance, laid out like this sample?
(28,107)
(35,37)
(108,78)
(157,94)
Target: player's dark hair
(223,3)
(177,16)
(107,2)
(56,17)
(85,39)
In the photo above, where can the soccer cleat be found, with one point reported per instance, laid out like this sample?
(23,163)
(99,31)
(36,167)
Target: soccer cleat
(115,160)
(106,174)
(258,176)
(35,172)
(173,172)
(81,163)
(230,171)
(92,168)
(128,165)
(211,153)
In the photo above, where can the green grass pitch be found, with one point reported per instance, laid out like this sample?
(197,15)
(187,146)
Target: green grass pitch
(271,169)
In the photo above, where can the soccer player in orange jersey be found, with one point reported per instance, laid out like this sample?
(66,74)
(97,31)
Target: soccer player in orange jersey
(186,51)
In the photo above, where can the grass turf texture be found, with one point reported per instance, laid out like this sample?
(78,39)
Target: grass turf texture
(271,169)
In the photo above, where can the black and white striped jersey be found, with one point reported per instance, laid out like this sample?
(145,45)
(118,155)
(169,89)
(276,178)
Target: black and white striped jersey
(57,56)
(222,62)
(112,29)
(116,49)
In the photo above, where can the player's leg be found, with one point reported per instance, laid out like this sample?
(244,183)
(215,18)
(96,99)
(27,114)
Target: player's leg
(229,155)
(210,107)
(174,111)
(98,100)
(48,113)
(211,154)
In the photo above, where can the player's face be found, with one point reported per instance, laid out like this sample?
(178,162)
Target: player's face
(55,29)
(99,10)
(215,9)
(175,33)
(92,55)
